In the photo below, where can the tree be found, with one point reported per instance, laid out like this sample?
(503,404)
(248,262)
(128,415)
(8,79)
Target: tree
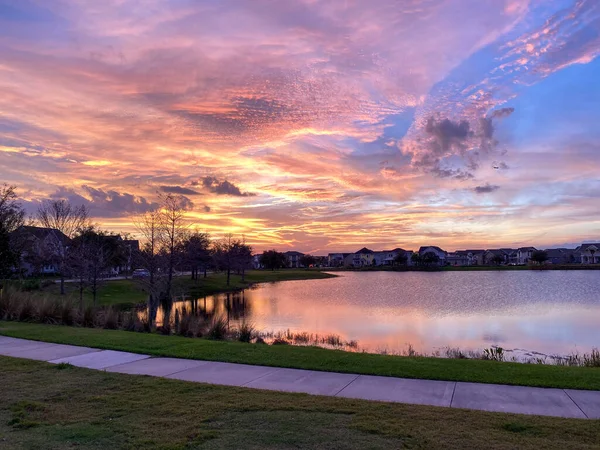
(307,260)
(67,219)
(430,258)
(242,257)
(592,252)
(416,259)
(539,256)
(172,233)
(196,250)
(272,259)
(149,258)
(401,259)
(12,216)
(224,254)
(93,254)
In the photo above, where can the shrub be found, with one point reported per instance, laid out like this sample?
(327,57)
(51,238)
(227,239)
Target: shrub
(26,311)
(493,354)
(111,319)
(217,329)
(88,317)
(47,283)
(48,311)
(280,341)
(593,359)
(245,333)
(67,313)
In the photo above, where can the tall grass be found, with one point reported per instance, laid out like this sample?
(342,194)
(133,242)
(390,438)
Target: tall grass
(17,305)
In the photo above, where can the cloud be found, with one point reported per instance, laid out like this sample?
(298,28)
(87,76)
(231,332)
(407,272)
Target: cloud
(486,188)
(206,208)
(179,190)
(222,187)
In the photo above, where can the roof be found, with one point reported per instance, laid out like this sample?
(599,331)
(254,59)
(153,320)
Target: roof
(527,249)
(293,253)
(421,249)
(365,250)
(41,232)
(584,247)
(474,252)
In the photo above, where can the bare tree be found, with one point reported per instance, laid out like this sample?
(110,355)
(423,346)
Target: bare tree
(67,220)
(149,258)
(173,230)
(224,256)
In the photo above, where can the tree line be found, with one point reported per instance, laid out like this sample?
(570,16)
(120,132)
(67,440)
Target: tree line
(170,243)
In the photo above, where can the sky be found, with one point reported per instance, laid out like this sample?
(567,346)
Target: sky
(314,125)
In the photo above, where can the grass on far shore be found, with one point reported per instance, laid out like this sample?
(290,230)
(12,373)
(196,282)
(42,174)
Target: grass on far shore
(128,293)
(61,406)
(313,358)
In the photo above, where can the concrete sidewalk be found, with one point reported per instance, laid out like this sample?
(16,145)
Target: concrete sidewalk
(486,397)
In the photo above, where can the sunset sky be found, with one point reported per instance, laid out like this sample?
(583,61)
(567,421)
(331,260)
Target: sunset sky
(315,125)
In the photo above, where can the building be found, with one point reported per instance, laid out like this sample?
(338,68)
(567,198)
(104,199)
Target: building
(293,259)
(524,254)
(476,257)
(561,256)
(388,257)
(589,253)
(37,247)
(457,258)
(441,254)
(362,258)
(336,259)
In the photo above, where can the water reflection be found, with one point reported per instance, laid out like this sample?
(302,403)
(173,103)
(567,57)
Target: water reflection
(232,306)
(548,312)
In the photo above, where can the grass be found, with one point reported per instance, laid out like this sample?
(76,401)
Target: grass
(127,293)
(56,407)
(313,358)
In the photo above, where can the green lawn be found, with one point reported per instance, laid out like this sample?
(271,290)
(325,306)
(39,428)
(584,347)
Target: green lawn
(128,293)
(60,406)
(313,358)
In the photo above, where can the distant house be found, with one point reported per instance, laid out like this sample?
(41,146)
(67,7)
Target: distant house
(37,247)
(293,259)
(511,255)
(363,257)
(498,256)
(476,257)
(589,253)
(524,254)
(336,259)
(441,254)
(388,257)
(561,256)
(457,258)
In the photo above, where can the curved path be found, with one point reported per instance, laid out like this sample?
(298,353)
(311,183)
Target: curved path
(487,397)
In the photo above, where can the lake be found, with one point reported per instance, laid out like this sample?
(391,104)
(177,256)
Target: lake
(551,312)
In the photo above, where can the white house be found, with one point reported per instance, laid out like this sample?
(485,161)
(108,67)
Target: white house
(524,254)
(388,257)
(293,259)
(590,253)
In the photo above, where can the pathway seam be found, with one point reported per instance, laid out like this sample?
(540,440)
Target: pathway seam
(452,398)
(351,381)
(570,398)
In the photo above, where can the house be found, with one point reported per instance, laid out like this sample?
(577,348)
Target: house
(590,253)
(388,257)
(441,254)
(476,257)
(336,259)
(497,256)
(561,256)
(458,258)
(37,247)
(293,259)
(363,257)
(511,255)
(524,254)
